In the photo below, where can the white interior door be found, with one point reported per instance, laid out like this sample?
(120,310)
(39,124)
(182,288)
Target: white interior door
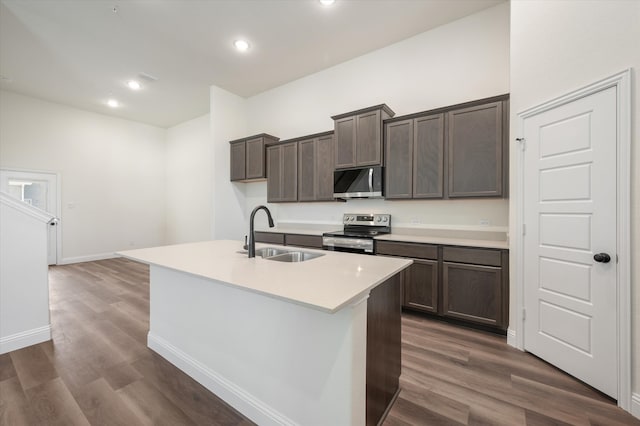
(570,291)
(39,190)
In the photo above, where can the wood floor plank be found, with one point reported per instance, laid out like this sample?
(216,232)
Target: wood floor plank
(446,407)
(415,414)
(14,407)
(53,404)
(7,370)
(102,406)
(538,419)
(185,392)
(121,375)
(151,406)
(33,366)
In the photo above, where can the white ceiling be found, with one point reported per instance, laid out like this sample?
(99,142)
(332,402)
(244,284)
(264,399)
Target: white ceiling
(81,52)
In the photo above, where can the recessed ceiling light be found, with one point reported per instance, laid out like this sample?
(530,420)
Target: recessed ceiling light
(241,45)
(113,103)
(327,2)
(133,85)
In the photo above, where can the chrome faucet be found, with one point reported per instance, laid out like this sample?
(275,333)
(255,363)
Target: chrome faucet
(252,237)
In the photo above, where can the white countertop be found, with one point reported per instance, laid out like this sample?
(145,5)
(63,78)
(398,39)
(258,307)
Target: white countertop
(465,242)
(327,283)
(408,235)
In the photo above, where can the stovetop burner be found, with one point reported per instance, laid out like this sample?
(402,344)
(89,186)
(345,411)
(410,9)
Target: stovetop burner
(365,233)
(363,226)
(358,232)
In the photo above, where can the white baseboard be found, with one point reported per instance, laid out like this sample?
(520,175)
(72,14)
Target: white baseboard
(238,398)
(635,404)
(24,339)
(90,258)
(511,338)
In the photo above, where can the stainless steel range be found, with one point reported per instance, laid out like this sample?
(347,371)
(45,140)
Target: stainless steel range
(358,232)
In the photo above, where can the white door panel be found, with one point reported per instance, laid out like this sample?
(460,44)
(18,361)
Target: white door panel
(570,215)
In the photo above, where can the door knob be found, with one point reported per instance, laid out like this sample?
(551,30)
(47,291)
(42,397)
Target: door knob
(602,257)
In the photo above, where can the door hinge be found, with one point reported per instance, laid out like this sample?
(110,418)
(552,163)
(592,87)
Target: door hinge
(523,145)
(524,314)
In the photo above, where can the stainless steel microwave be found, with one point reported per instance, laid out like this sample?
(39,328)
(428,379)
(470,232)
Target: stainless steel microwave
(363,182)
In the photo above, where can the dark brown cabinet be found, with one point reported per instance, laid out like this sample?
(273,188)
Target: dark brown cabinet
(477,150)
(414,158)
(358,137)
(248,157)
(452,152)
(420,286)
(238,161)
(472,292)
(462,283)
(282,172)
(475,285)
(269,237)
(315,168)
(299,240)
(420,280)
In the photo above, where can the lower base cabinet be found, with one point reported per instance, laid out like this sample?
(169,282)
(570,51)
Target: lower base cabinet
(472,293)
(465,284)
(420,286)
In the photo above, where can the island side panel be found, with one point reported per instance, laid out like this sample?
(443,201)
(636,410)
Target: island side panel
(274,361)
(383,348)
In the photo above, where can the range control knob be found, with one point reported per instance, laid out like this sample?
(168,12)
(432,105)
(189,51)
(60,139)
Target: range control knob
(385,219)
(378,219)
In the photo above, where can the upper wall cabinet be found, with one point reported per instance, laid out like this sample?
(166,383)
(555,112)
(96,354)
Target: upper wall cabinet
(414,157)
(453,152)
(358,136)
(248,157)
(282,172)
(315,168)
(301,169)
(477,150)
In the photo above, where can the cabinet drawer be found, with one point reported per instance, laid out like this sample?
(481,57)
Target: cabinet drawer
(418,251)
(472,255)
(270,237)
(311,241)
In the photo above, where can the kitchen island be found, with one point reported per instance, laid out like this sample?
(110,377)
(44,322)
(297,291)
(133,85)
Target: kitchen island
(309,343)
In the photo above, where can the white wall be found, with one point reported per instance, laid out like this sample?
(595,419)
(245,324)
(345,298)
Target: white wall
(559,46)
(462,61)
(112,172)
(189,182)
(228,122)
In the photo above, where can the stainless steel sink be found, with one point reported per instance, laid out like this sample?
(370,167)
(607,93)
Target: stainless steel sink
(270,252)
(284,255)
(295,256)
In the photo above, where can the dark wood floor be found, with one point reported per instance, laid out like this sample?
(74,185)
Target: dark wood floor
(98,370)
